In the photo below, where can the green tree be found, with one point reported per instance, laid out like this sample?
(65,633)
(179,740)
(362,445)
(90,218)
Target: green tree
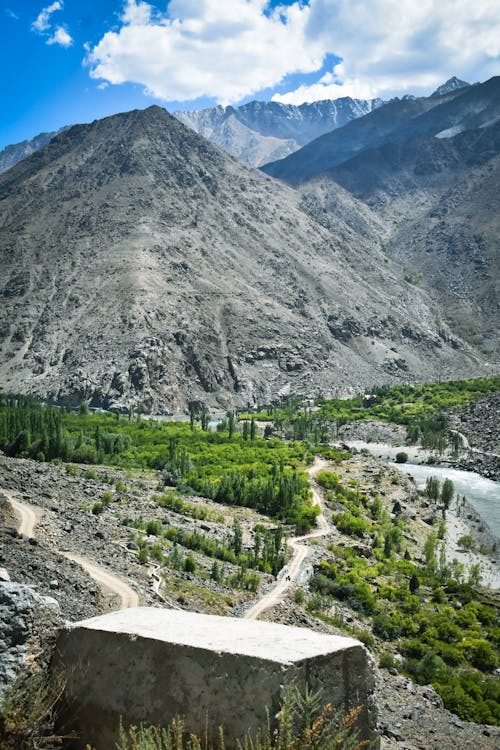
(414,583)
(237,538)
(189,564)
(432,488)
(216,573)
(430,548)
(447,492)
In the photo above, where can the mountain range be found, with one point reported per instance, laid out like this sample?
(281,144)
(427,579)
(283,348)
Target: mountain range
(430,170)
(144,265)
(260,132)
(256,133)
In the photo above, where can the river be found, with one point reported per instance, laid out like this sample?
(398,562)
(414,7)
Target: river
(483,494)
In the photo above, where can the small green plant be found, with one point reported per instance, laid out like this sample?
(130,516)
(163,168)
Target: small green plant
(387,660)
(401,457)
(467,542)
(304,722)
(28,713)
(299,596)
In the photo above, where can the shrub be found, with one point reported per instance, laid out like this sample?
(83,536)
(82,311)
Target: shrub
(351,525)
(189,564)
(154,528)
(401,457)
(467,542)
(387,660)
(299,596)
(303,723)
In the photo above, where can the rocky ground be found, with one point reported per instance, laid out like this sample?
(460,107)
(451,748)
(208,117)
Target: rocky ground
(480,424)
(410,716)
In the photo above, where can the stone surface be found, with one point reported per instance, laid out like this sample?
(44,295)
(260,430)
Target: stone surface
(28,627)
(153,664)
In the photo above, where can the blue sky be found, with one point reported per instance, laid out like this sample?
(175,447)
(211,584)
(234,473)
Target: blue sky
(68,61)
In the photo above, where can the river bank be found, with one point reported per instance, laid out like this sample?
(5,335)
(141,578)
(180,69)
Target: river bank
(476,516)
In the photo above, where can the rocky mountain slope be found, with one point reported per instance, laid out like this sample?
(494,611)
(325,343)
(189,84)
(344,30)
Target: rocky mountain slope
(14,153)
(429,168)
(255,133)
(143,265)
(258,132)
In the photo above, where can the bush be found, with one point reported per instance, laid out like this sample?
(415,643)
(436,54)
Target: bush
(154,528)
(303,723)
(467,542)
(401,457)
(387,660)
(299,596)
(351,525)
(189,564)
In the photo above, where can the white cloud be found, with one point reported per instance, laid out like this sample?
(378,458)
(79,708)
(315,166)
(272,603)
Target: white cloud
(225,50)
(60,36)
(42,22)
(390,47)
(229,49)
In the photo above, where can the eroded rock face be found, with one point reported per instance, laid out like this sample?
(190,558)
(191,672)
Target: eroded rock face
(29,624)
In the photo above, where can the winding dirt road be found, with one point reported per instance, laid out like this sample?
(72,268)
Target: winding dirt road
(108,582)
(300,551)
(30,515)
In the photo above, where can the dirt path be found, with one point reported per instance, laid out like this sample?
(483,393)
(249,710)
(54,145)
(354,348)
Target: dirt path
(108,581)
(300,551)
(30,515)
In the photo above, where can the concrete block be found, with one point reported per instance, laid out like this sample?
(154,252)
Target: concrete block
(150,665)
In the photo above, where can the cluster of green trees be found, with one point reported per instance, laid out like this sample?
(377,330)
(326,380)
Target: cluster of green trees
(421,408)
(267,555)
(438,492)
(177,504)
(432,612)
(229,465)
(32,430)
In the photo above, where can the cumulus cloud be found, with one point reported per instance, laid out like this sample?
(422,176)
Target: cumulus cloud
(60,36)
(225,50)
(42,22)
(389,47)
(43,25)
(230,50)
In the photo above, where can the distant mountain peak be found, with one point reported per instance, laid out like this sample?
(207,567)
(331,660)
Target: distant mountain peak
(452,84)
(262,131)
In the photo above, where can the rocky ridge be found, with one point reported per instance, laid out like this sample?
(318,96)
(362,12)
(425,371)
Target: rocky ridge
(260,132)
(145,267)
(429,168)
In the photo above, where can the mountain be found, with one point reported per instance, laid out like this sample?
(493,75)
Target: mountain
(255,133)
(397,122)
(10,155)
(452,84)
(144,265)
(429,169)
(259,132)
